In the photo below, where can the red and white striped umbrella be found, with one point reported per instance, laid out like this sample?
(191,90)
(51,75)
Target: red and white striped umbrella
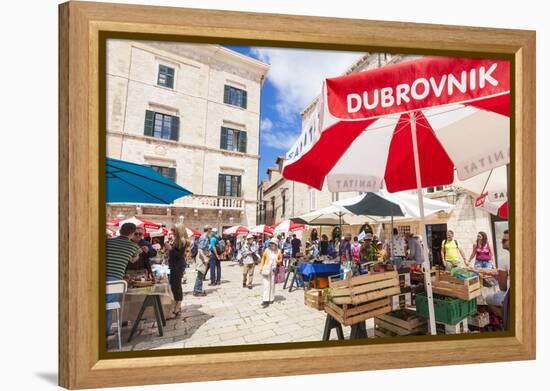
(287,226)
(408,125)
(154,232)
(262,229)
(190,233)
(363,133)
(499,209)
(236,230)
(139,222)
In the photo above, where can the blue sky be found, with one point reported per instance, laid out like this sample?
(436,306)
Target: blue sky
(293,81)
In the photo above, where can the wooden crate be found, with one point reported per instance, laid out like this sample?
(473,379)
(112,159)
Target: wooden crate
(314,298)
(446,285)
(399,323)
(363,288)
(348,314)
(418,277)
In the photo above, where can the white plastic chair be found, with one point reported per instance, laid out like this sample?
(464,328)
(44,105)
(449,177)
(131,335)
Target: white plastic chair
(117,287)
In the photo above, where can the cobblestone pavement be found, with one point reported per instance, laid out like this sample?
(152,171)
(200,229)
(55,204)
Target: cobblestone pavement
(233,315)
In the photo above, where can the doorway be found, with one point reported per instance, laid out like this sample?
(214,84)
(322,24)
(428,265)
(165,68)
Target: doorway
(436,235)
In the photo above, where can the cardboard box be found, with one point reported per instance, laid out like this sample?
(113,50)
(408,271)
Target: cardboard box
(480,319)
(459,328)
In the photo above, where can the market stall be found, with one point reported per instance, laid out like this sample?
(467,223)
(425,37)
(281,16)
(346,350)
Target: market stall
(370,133)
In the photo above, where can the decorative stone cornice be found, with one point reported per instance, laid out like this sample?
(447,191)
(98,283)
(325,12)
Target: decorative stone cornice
(153,140)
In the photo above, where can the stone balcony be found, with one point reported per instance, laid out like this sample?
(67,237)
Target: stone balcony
(198,201)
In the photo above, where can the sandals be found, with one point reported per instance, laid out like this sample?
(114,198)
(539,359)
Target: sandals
(175,315)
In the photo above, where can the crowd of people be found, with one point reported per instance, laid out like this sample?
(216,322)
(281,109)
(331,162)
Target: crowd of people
(271,255)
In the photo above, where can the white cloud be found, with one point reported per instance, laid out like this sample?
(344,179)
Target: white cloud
(298,74)
(278,137)
(266,125)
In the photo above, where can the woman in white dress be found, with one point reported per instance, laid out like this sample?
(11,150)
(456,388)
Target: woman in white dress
(271,258)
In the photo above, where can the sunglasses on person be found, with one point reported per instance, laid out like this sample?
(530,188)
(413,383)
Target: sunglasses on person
(138,233)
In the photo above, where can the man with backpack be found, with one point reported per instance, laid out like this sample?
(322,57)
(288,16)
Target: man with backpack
(216,250)
(450,251)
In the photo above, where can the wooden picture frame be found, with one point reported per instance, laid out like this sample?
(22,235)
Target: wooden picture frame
(84,25)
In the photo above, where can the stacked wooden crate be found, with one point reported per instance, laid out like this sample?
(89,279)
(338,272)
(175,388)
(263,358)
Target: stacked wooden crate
(314,298)
(399,323)
(356,299)
(446,285)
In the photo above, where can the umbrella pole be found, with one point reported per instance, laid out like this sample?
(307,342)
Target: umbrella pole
(391,241)
(426,265)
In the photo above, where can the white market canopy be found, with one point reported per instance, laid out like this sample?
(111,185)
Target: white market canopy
(331,215)
(407,202)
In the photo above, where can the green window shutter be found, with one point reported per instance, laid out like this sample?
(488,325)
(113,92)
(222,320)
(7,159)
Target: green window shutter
(242,141)
(175,134)
(223,138)
(172,173)
(221,185)
(239,186)
(170,77)
(226,94)
(149,123)
(244,99)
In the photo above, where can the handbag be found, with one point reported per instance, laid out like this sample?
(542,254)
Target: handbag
(266,271)
(280,274)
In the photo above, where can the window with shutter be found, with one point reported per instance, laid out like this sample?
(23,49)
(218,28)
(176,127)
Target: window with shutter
(168,172)
(229,185)
(161,125)
(165,76)
(234,96)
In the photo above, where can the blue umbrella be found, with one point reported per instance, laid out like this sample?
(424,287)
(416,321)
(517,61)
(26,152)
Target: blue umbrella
(131,182)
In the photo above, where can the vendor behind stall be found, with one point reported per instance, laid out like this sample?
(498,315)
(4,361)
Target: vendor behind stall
(381,252)
(147,251)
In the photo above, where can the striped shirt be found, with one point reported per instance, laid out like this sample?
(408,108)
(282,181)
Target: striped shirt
(119,252)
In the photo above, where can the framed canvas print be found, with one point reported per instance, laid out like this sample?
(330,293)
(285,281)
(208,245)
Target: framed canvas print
(309,190)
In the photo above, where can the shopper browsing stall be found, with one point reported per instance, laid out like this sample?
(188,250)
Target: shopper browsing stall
(248,253)
(202,260)
(176,262)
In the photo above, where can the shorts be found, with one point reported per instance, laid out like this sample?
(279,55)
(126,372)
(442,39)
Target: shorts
(483,264)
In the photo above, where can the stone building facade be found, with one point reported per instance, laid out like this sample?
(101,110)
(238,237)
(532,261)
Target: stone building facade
(192,112)
(283,199)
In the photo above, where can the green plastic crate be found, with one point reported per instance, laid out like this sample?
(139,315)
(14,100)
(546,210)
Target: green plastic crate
(447,309)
